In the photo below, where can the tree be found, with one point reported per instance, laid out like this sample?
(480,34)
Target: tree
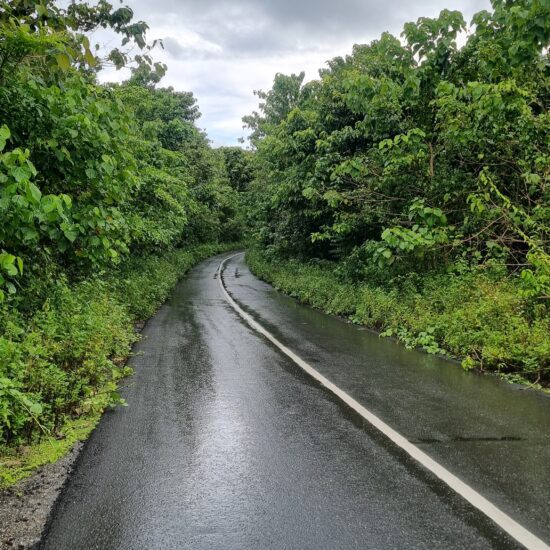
(414,156)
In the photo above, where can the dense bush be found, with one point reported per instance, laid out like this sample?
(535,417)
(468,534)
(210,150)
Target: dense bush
(476,315)
(65,359)
(107,194)
(413,154)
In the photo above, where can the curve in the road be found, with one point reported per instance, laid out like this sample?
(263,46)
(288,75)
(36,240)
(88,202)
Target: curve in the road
(228,443)
(503,520)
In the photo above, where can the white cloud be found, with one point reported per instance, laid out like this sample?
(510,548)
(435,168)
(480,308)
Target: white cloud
(223,50)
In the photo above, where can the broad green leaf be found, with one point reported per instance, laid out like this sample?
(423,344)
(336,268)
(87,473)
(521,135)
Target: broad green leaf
(35,408)
(4,136)
(90,58)
(33,193)
(63,61)
(21,173)
(71,234)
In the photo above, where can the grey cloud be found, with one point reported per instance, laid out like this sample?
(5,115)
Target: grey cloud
(252,43)
(222,49)
(310,15)
(173,47)
(264,27)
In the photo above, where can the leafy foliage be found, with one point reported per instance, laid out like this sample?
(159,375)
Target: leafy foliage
(60,36)
(477,315)
(107,195)
(395,136)
(417,156)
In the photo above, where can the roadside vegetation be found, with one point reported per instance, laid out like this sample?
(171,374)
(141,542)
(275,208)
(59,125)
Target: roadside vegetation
(108,195)
(409,187)
(477,317)
(72,352)
(406,188)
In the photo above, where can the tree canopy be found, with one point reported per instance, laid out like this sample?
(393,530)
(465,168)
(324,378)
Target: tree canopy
(415,154)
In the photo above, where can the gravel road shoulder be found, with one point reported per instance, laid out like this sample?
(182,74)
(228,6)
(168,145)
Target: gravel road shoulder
(25,507)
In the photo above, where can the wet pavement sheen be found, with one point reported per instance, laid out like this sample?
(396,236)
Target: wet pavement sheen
(225,443)
(493,435)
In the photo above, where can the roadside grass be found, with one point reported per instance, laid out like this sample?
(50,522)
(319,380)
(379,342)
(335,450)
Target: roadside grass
(477,317)
(60,367)
(17,464)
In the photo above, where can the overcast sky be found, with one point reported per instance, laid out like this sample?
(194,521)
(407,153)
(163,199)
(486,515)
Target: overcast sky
(222,50)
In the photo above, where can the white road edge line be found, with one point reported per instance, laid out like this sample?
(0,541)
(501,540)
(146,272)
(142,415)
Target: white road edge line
(504,521)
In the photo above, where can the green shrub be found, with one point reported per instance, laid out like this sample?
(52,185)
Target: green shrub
(477,315)
(64,361)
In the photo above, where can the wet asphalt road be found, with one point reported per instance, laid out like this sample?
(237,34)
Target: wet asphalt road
(227,444)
